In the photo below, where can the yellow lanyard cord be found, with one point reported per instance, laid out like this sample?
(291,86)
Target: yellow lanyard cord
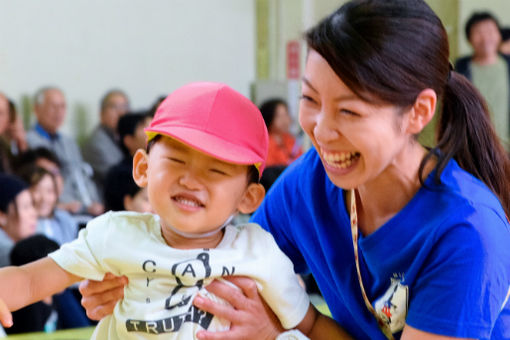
(354,230)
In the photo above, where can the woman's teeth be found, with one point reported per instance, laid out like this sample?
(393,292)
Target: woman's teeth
(340,160)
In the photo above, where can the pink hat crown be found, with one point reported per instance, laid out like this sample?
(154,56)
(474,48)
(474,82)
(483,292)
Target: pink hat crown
(214,119)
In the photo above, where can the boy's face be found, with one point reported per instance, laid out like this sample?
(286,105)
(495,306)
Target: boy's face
(191,191)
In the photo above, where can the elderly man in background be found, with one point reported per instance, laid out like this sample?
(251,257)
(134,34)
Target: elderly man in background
(102,149)
(79,194)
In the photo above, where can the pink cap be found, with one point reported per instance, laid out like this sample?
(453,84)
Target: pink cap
(216,120)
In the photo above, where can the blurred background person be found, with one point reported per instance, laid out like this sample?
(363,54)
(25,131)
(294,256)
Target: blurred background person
(18,218)
(488,70)
(16,133)
(40,316)
(50,110)
(102,149)
(283,147)
(57,224)
(5,149)
(504,47)
(120,191)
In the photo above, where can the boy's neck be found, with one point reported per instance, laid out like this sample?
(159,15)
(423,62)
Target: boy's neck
(177,241)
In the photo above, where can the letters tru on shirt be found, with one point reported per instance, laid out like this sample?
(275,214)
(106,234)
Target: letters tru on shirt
(189,276)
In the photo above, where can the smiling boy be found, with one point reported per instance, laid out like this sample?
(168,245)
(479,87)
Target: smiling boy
(206,151)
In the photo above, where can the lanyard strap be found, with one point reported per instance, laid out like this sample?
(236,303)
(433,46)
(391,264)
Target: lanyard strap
(354,230)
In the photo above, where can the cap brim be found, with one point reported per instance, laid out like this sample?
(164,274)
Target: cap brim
(214,146)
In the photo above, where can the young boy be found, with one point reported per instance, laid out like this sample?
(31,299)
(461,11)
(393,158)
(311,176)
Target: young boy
(206,150)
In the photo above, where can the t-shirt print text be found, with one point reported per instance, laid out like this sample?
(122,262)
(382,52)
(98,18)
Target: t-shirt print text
(189,276)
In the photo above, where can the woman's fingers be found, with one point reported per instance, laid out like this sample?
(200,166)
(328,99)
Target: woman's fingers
(110,281)
(229,292)
(5,315)
(100,297)
(247,285)
(101,311)
(217,309)
(250,316)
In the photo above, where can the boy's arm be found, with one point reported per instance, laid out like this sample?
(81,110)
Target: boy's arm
(315,325)
(24,285)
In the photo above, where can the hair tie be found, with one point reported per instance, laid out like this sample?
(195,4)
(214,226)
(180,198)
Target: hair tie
(450,70)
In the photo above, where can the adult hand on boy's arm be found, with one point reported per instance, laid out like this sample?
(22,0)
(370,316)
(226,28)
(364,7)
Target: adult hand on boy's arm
(99,297)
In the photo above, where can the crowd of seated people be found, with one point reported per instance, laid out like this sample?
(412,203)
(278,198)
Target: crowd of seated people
(50,187)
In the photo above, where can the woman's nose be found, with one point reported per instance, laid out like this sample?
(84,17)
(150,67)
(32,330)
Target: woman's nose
(325,129)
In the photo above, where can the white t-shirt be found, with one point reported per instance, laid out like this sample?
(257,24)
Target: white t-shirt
(163,281)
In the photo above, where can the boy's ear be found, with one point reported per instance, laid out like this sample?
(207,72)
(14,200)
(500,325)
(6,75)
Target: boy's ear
(422,111)
(252,197)
(140,167)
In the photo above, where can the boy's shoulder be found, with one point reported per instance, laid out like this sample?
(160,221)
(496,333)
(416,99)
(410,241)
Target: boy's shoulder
(249,234)
(125,220)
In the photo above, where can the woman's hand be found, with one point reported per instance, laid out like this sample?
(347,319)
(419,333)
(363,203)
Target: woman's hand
(5,315)
(100,297)
(250,316)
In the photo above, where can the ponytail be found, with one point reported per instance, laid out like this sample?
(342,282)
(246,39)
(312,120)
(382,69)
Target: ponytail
(466,134)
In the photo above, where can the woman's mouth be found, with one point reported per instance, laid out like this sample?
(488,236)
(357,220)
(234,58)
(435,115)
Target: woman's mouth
(340,160)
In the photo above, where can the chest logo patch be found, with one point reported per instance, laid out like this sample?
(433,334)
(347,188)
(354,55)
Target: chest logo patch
(392,306)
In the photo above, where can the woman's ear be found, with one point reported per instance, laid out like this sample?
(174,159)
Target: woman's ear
(252,197)
(140,167)
(422,111)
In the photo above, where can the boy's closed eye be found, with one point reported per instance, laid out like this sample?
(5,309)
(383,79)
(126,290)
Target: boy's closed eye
(176,160)
(219,171)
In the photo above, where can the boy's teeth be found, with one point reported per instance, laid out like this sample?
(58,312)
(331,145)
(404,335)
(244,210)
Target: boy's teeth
(187,202)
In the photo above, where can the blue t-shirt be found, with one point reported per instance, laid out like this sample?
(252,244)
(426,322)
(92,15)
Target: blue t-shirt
(441,265)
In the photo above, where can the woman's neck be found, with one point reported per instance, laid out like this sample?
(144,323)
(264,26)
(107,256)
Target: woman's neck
(382,198)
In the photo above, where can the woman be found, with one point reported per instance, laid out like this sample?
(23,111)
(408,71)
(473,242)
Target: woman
(430,257)
(283,148)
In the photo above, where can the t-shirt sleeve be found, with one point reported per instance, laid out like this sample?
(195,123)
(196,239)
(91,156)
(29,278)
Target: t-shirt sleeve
(82,257)
(463,284)
(280,287)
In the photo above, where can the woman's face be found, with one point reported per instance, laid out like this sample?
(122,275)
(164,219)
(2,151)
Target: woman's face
(281,121)
(21,217)
(44,196)
(356,140)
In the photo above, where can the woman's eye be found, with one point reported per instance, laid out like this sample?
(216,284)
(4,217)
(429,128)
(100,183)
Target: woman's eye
(307,98)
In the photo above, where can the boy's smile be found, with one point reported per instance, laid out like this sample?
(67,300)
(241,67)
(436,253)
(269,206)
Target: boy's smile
(192,192)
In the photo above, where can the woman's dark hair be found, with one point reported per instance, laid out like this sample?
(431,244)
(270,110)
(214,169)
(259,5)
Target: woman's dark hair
(388,51)
(30,157)
(476,18)
(268,110)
